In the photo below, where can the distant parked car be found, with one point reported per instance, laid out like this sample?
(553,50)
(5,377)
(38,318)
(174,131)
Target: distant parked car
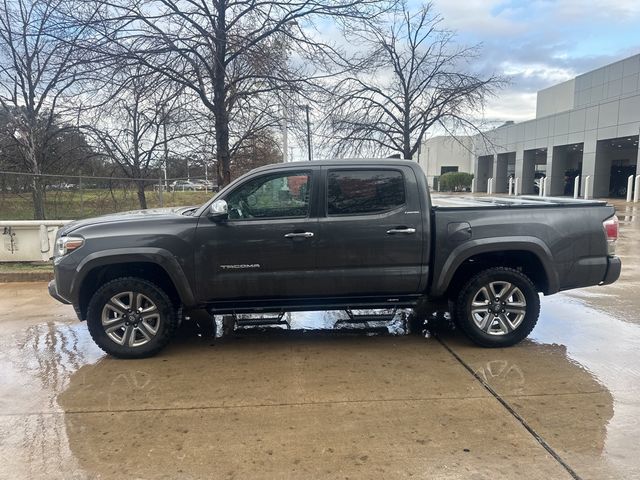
(62,186)
(185,185)
(206,184)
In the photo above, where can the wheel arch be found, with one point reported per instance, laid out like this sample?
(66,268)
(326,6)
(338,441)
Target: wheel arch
(531,258)
(155,267)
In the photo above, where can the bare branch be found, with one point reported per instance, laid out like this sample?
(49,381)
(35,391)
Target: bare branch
(416,78)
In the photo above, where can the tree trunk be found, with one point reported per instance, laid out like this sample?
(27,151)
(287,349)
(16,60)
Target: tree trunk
(37,193)
(37,189)
(223,156)
(406,131)
(141,196)
(222,145)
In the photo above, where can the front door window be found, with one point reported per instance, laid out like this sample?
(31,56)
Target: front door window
(284,195)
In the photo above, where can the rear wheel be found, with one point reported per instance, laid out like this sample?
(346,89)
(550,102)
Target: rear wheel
(131,318)
(499,307)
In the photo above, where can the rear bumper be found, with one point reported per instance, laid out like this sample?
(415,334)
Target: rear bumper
(53,291)
(614,266)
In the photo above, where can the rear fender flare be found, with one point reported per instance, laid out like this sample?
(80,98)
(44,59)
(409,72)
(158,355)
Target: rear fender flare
(489,245)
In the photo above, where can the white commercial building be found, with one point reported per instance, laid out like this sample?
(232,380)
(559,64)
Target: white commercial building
(585,127)
(439,155)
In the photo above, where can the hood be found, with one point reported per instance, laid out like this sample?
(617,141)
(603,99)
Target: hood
(119,217)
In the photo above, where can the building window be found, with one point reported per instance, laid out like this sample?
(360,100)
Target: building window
(444,170)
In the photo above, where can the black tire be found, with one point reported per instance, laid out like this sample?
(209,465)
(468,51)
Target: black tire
(453,314)
(138,341)
(502,325)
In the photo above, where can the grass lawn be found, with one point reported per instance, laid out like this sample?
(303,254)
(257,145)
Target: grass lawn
(11,267)
(71,205)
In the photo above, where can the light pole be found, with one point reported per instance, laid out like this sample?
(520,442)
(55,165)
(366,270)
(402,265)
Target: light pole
(285,134)
(306,107)
(165,146)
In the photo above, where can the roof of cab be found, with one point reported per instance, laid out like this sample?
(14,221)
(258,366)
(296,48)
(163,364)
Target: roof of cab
(347,162)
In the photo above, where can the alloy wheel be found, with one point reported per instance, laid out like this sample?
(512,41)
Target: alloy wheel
(498,308)
(130,319)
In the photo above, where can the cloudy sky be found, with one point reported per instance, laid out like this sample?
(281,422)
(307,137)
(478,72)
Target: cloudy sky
(542,42)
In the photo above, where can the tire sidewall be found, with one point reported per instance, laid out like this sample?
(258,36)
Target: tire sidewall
(168,318)
(464,318)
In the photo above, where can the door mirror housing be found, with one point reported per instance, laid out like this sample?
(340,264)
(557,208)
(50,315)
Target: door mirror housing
(219,210)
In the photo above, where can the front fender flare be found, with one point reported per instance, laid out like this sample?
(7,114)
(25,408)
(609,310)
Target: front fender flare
(159,256)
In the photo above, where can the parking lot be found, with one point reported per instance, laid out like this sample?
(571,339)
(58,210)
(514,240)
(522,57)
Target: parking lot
(563,404)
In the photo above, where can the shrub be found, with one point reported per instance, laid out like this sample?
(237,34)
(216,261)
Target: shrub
(455,182)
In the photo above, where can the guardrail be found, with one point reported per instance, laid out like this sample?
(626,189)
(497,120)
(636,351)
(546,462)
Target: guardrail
(28,240)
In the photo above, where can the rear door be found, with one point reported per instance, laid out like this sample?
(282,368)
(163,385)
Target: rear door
(371,232)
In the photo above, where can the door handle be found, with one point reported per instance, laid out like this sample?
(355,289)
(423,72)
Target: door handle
(404,230)
(299,235)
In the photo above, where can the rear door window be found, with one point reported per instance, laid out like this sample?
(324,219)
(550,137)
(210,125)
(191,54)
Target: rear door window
(362,192)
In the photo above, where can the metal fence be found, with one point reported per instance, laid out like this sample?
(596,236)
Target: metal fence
(82,196)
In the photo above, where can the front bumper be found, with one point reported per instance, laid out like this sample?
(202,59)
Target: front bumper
(614,266)
(53,291)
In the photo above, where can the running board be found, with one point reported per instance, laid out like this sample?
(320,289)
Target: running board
(311,304)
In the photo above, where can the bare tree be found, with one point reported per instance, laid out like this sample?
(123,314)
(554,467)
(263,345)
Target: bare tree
(258,150)
(65,148)
(227,52)
(137,123)
(39,68)
(416,78)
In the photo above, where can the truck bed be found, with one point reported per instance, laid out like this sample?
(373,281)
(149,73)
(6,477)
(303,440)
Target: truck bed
(440,202)
(571,249)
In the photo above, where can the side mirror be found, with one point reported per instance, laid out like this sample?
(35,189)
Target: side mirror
(219,210)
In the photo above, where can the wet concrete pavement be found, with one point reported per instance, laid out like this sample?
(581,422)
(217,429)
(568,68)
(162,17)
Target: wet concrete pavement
(563,404)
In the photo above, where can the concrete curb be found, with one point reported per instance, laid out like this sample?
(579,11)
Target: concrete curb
(7,277)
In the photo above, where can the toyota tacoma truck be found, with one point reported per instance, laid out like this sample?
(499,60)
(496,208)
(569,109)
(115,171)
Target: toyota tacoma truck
(331,235)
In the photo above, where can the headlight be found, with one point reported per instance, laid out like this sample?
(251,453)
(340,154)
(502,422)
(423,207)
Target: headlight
(66,245)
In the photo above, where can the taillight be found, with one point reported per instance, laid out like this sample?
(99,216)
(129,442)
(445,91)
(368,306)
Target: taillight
(611,231)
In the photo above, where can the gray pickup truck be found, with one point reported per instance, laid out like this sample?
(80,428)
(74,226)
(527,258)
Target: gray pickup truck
(331,235)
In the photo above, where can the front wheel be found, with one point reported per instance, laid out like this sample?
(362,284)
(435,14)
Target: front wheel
(131,318)
(498,307)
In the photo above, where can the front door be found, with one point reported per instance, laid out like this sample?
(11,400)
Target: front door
(266,248)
